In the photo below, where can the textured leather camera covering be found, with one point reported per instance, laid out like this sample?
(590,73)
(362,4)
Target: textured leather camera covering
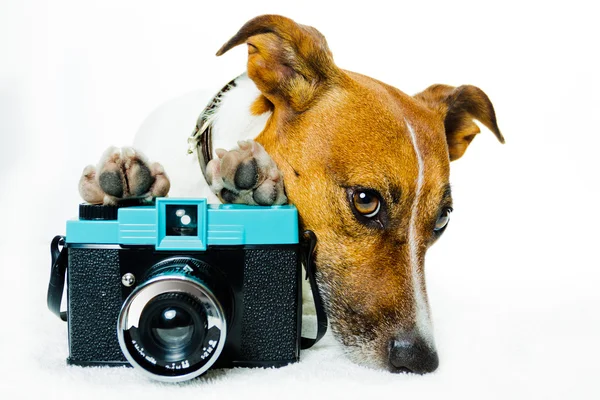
(270,320)
(269,313)
(94,291)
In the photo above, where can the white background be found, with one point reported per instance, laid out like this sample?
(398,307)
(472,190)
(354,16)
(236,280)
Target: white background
(514,282)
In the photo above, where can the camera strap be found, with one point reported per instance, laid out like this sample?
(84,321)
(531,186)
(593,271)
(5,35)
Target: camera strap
(309,265)
(57,276)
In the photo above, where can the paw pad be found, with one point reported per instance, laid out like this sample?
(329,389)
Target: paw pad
(246,175)
(122,174)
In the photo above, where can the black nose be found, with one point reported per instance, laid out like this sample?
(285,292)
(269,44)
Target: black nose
(412,354)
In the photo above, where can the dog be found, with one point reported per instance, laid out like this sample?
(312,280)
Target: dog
(366,165)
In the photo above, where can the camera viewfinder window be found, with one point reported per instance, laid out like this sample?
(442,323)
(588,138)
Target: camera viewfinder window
(182,220)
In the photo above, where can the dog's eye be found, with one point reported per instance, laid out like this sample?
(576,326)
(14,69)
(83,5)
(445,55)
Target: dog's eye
(442,220)
(366,203)
(368,207)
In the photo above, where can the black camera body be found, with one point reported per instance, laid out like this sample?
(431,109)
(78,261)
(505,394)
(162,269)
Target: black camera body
(180,286)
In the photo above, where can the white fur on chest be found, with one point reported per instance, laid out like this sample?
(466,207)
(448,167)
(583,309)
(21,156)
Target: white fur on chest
(163,136)
(232,120)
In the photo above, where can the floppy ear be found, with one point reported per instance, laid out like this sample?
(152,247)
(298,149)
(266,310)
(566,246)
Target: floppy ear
(289,63)
(459,106)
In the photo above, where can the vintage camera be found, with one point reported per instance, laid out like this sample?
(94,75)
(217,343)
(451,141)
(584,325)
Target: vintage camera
(180,286)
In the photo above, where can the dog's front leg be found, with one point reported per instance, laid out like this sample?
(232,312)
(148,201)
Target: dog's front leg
(246,175)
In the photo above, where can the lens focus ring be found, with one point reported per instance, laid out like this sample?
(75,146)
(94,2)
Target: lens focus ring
(172,327)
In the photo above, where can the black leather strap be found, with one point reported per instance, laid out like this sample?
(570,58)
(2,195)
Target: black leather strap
(202,136)
(309,265)
(204,150)
(57,276)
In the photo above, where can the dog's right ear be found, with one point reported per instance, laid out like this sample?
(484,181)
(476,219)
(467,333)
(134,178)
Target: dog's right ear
(289,63)
(458,107)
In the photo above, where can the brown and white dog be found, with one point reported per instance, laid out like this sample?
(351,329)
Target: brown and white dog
(366,165)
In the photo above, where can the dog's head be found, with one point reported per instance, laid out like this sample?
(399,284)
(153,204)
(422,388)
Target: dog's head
(367,166)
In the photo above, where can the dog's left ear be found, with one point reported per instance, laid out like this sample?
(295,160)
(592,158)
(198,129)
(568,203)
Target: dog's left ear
(290,63)
(459,107)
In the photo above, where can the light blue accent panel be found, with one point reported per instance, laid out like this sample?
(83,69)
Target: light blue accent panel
(137,226)
(171,242)
(92,232)
(241,224)
(217,224)
(225,234)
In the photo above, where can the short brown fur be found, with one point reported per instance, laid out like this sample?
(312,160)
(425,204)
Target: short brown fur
(333,130)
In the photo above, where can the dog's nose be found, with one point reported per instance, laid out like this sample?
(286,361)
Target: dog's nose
(412,355)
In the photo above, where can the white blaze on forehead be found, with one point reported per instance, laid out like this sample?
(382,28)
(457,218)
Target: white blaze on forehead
(422,319)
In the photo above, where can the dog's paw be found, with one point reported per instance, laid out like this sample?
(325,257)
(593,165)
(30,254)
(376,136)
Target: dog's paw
(246,175)
(123,174)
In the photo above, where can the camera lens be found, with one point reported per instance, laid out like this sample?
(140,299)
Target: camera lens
(172,326)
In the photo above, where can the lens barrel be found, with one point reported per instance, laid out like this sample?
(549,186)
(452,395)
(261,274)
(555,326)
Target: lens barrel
(172,327)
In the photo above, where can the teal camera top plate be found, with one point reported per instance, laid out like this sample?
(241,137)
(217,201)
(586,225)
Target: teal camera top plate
(198,225)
